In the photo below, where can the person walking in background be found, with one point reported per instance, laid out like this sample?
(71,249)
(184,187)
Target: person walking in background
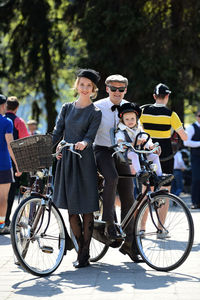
(110,167)
(193,132)
(75,186)
(179,167)
(33,127)
(158,120)
(19,131)
(6,172)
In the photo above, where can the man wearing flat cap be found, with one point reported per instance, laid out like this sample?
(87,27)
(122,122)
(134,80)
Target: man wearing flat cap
(110,168)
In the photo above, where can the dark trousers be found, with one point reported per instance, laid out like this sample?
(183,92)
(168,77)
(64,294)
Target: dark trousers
(177,183)
(11,196)
(110,168)
(195,163)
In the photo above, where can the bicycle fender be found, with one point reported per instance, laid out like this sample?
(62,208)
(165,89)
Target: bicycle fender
(159,193)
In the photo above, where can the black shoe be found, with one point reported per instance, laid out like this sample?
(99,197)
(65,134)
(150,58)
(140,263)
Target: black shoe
(111,232)
(142,174)
(164,179)
(126,248)
(83,259)
(77,264)
(195,206)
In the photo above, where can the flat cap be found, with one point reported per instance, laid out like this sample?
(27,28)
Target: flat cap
(3,99)
(116,78)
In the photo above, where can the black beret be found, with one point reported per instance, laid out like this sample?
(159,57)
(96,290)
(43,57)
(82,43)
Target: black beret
(90,74)
(129,107)
(3,99)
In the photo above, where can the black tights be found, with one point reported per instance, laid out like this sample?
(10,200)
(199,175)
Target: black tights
(82,232)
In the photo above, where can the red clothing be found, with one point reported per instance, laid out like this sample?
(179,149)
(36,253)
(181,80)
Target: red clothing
(20,125)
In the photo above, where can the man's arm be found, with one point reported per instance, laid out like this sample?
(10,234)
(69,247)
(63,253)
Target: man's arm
(183,134)
(189,142)
(9,139)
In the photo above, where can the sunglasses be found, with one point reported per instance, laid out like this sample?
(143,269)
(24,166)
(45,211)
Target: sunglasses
(114,89)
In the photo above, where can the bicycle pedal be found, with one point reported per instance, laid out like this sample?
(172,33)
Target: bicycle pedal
(47,249)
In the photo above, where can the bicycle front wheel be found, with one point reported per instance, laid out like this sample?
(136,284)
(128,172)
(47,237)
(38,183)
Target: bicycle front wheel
(166,250)
(38,236)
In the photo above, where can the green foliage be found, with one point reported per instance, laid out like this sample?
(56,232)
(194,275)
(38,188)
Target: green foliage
(42,42)
(38,52)
(147,41)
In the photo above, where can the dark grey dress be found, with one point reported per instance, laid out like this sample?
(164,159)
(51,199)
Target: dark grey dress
(76,178)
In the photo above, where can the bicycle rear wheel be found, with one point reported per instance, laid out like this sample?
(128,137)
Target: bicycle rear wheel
(167,252)
(38,236)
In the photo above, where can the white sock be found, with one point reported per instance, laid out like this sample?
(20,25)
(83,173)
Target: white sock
(155,159)
(135,161)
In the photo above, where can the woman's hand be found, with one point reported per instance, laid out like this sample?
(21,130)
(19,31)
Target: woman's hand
(80,145)
(58,156)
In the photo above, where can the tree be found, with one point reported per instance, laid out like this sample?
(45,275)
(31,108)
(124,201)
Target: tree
(147,41)
(39,50)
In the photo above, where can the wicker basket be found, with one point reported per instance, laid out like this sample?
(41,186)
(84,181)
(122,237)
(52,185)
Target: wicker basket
(33,153)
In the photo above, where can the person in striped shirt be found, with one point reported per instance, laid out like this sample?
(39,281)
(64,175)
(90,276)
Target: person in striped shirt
(160,121)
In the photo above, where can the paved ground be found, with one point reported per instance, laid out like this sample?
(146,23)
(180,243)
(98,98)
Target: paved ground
(114,277)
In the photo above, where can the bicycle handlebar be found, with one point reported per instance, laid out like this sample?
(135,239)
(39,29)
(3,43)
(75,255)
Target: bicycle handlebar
(129,145)
(64,144)
(121,145)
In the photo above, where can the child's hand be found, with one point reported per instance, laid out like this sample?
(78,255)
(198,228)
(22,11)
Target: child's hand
(158,151)
(141,141)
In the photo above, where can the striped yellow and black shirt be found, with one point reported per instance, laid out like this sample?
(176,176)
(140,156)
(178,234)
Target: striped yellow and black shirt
(158,121)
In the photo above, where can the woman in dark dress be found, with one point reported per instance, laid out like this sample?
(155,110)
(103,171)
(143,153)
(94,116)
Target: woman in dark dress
(76,178)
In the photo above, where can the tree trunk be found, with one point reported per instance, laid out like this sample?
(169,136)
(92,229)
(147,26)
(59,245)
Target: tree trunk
(48,89)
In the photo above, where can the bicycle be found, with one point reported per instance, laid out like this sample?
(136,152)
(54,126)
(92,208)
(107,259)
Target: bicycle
(160,253)
(38,233)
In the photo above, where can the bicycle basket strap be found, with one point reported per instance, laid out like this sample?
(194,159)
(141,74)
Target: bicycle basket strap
(119,155)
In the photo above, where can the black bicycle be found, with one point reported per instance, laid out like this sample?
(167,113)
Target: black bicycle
(38,232)
(163,225)
(40,238)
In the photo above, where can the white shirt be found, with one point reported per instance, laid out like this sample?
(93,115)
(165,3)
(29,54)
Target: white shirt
(190,132)
(178,161)
(109,120)
(132,132)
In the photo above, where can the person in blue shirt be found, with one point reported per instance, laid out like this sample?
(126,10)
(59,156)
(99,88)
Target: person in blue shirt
(6,153)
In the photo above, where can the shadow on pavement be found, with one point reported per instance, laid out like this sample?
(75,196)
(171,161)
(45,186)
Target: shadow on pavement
(102,277)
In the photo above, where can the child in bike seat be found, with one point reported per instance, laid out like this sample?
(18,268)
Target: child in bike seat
(127,130)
